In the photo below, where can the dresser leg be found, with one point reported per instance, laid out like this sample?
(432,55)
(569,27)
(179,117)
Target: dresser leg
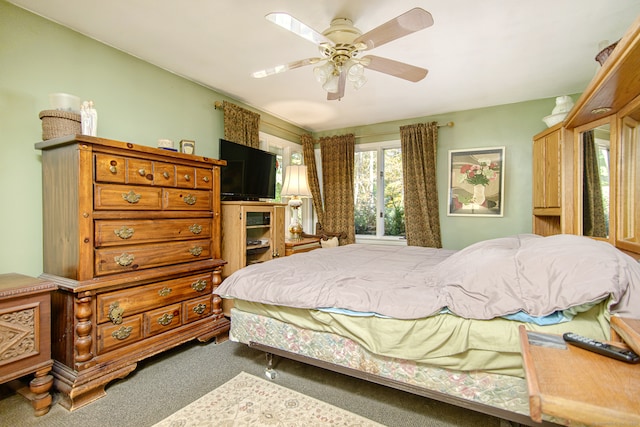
(40,387)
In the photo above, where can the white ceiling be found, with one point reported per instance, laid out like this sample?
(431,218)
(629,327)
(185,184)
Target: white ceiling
(478,53)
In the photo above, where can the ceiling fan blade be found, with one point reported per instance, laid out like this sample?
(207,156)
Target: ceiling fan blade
(284,67)
(394,68)
(409,22)
(342,82)
(290,23)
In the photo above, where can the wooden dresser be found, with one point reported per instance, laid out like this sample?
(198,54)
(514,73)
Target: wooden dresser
(132,239)
(25,335)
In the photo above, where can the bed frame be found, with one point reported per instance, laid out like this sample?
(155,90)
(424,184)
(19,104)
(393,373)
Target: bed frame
(501,396)
(512,417)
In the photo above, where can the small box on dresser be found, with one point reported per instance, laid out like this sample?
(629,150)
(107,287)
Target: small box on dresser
(132,239)
(25,335)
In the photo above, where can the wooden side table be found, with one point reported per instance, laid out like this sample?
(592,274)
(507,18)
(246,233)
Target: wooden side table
(578,385)
(25,335)
(306,244)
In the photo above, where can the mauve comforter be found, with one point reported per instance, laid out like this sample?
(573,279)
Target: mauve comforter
(492,278)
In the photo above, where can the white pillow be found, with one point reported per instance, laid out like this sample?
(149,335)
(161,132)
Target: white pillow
(330,243)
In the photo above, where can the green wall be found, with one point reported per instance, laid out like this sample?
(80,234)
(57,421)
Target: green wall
(141,103)
(511,126)
(136,102)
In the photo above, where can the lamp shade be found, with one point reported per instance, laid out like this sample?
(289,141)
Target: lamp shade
(295,182)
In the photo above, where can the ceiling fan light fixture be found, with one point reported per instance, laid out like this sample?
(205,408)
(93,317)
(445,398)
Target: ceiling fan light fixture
(331,85)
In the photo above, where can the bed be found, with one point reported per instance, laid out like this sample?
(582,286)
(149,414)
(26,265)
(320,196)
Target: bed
(435,322)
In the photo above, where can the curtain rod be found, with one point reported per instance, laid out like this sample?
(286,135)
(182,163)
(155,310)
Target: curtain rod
(448,125)
(218,106)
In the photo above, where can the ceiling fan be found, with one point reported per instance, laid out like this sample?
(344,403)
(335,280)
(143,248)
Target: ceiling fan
(341,44)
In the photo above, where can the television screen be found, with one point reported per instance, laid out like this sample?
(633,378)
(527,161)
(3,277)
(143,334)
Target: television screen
(250,173)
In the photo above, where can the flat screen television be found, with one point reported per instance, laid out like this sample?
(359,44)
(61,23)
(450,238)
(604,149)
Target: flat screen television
(250,173)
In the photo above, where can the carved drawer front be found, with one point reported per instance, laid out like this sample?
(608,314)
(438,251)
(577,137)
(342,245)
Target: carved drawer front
(127,232)
(112,336)
(204,179)
(121,259)
(123,197)
(117,305)
(110,168)
(162,319)
(187,200)
(19,333)
(139,172)
(197,309)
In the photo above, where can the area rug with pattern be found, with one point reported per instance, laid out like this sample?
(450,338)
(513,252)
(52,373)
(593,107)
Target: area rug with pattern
(247,400)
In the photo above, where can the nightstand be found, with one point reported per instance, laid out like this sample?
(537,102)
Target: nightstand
(25,336)
(578,385)
(306,244)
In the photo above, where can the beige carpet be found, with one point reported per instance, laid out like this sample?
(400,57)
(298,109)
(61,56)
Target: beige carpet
(247,400)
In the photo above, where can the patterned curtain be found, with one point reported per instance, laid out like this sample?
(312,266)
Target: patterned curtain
(312,175)
(593,219)
(422,220)
(337,154)
(240,125)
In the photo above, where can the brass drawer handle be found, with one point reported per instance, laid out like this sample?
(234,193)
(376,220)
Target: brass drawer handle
(113,169)
(195,228)
(165,319)
(115,313)
(131,197)
(199,285)
(124,232)
(200,308)
(124,260)
(166,175)
(190,199)
(122,333)
(205,179)
(196,250)
(142,172)
(164,291)
(187,177)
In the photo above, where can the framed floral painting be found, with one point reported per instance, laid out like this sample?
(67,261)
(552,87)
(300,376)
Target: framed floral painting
(476,182)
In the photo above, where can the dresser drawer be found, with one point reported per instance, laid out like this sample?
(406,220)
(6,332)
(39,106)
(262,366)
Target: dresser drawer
(124,303)
(121,259)
(124,197)
(127,232)
(110,168)
(190,200)
(162,320)
(197,309)
(112,336)
(204,179)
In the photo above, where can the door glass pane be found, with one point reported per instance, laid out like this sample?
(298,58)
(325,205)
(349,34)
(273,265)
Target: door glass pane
(365,192)
(393,193)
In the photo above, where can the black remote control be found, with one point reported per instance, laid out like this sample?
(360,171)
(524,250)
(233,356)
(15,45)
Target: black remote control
(601,348)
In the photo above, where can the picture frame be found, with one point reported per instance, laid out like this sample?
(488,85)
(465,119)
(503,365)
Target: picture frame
(476,182)
(187,146)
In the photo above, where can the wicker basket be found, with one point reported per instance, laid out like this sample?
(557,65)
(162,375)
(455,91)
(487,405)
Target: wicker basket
(56,123)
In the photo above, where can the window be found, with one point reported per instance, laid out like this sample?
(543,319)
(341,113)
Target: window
(379,190)
(287,153)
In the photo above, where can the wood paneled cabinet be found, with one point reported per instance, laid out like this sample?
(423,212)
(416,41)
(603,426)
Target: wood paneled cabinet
(551,196)
(252,232)
(132,240)
(547,159)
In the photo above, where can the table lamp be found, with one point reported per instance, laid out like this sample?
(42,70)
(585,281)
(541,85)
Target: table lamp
(295,186)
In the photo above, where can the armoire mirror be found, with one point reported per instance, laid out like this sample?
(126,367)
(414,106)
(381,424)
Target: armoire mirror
(628,218)
(594,147)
